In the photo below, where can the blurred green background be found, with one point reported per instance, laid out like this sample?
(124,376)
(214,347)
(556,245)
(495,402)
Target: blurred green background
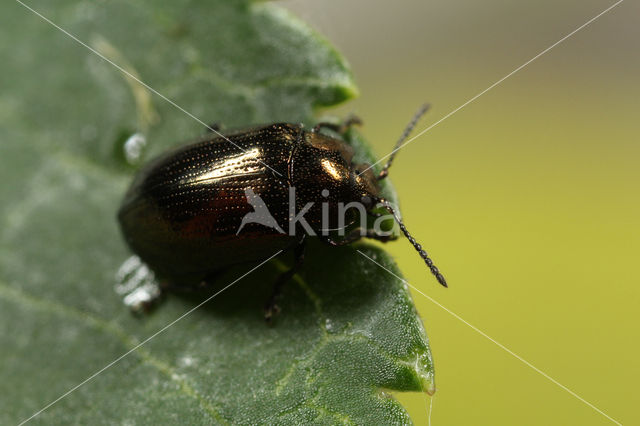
(527,199)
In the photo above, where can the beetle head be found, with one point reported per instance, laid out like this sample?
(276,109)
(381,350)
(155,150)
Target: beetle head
(324,166)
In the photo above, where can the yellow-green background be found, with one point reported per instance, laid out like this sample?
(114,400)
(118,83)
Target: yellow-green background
(527,199)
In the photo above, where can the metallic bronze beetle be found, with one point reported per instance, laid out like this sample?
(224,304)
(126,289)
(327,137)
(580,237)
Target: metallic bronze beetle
(185,212)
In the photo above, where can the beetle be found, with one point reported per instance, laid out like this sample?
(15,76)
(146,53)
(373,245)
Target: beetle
(198,209)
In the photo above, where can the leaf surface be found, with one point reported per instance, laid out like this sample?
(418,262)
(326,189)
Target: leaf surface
(348,329)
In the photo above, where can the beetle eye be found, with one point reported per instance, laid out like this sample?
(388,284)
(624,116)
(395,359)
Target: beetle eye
(367,201)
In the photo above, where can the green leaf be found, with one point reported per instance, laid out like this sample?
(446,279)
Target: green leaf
(348,332)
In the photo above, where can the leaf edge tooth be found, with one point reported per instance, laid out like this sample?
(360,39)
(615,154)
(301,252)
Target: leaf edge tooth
(343,86)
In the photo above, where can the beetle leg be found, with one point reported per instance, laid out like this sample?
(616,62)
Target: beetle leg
(352,120)
(342,128)
(271,308)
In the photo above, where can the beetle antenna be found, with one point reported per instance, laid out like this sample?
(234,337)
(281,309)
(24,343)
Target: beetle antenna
(407,131)
(414,243)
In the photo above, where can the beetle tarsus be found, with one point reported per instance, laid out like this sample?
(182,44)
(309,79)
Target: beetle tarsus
(342,128)
(270,311)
